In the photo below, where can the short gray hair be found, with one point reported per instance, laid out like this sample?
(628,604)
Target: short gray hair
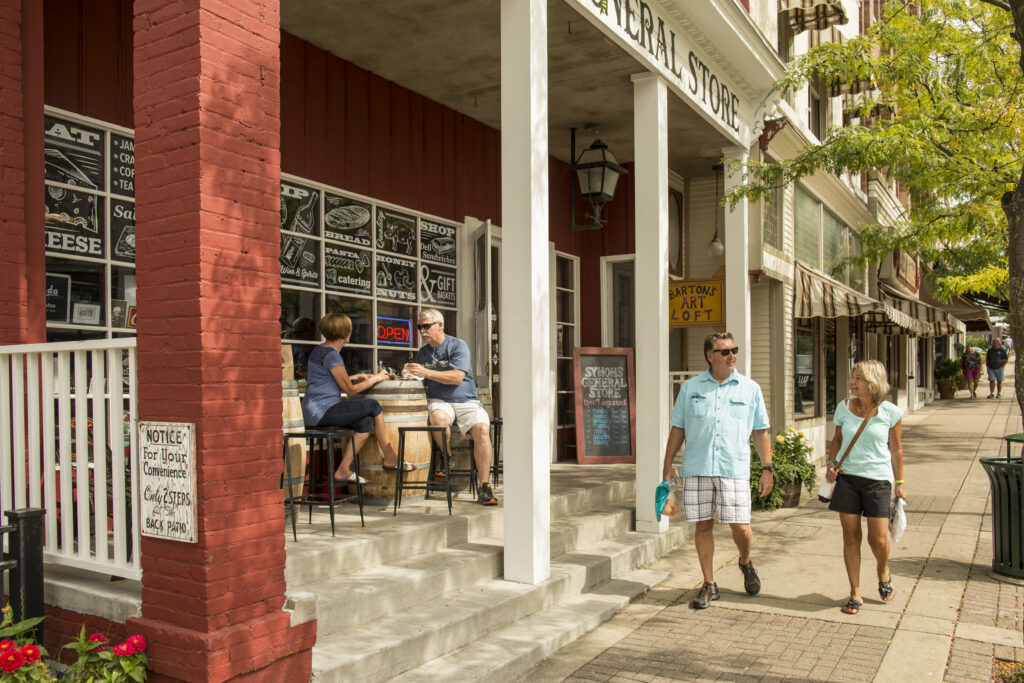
(874,374)
(432,314)
(709,342)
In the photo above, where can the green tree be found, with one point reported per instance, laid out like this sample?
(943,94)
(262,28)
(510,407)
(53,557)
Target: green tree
(944,116)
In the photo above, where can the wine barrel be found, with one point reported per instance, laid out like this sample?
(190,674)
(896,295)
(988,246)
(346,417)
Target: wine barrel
(291,419)
(405,405)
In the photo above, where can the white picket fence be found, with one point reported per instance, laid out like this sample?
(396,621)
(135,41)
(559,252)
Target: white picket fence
(68,444)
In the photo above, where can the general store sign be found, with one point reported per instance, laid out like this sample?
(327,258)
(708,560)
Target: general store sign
(167,480)
(696,303)
(659,43)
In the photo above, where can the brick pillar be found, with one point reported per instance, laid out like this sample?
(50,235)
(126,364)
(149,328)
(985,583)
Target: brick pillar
(207,162)
(22,261)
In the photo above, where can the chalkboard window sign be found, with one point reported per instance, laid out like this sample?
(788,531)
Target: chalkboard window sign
(437,285)
(605,404)
(58,297)
(348,270)
(300,259)
(396,232)
(346,220)
(437,242)
(396,278)
(74,153)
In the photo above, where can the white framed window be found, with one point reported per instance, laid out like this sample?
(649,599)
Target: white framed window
(567,337)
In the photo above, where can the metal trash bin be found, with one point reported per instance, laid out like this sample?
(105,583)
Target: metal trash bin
(1005,476)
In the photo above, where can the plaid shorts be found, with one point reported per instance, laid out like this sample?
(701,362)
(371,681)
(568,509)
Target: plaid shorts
(702,496)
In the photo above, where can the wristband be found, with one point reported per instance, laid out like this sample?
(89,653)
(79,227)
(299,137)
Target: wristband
(831,462)
(898,482)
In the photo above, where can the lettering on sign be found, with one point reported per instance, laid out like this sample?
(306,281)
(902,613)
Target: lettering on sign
(346,220)
(348,270)
(696,303)
(437,242)
(605,405)
(396,278)
(437,285)
(167,480)
(58,297)
(394,331)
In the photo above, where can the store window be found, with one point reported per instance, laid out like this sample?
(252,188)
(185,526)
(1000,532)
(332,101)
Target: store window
(832,393)
(771,207)
(857,277)
(567,337)
(807,227)
(892,359)
(833,242)
(805,403)
(89,228)
(377,263)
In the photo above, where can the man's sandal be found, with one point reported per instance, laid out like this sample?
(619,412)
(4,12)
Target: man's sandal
(885,590)
(852,607)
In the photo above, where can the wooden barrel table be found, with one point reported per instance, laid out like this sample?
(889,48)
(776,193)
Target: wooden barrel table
(405,405)
(291,418)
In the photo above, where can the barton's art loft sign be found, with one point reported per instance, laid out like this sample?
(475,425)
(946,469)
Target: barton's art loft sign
(660,44)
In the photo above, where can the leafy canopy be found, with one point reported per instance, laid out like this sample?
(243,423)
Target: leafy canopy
(945,118)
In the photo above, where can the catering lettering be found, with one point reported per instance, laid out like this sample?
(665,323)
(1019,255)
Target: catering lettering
(641,24)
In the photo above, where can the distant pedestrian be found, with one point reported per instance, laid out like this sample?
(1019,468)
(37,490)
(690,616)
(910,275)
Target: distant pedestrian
(995,361)
(970,362)
(865,481)
(715,414)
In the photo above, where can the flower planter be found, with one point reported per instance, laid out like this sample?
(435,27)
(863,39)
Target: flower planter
(790,494)
(946,390)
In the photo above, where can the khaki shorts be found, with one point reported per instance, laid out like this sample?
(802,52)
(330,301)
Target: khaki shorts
(465,415)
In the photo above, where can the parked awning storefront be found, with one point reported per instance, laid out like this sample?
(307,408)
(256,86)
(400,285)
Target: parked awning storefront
(818,296)
(807,14)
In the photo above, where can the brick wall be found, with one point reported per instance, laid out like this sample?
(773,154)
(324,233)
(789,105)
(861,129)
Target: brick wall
(62,626)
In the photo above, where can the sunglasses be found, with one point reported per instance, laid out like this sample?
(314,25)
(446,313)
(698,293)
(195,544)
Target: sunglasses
(726,352)
(425,326)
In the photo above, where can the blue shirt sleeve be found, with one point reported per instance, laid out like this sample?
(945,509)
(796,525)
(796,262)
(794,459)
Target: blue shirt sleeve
(895,414)
(332,359)
(760,411)
(840,415)
(459,357)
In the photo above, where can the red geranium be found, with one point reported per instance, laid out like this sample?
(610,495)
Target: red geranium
(11,660)
(99,638)
(8,645)
(123,650)
(31,653)
(137,643)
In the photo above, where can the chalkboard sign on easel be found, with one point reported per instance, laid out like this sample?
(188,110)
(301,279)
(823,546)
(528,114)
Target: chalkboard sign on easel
(605,405)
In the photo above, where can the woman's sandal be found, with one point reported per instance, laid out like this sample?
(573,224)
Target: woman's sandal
(885,590)
(406,467)
(852,607)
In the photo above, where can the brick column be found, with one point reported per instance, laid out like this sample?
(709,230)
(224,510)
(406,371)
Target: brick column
(22,261)
(207,161)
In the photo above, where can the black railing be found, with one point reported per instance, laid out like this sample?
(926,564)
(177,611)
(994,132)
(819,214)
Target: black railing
(24,564)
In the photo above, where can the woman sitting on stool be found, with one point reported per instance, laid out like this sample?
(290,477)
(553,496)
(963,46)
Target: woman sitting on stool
(326,380)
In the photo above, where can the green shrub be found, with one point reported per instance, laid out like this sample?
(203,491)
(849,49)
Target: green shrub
(791,462)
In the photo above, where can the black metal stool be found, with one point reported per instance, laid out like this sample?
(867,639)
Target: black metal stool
(320,438)
(432,483)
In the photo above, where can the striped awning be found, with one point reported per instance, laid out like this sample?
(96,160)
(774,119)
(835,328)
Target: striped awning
(819,296)
(914,317)
(817,14)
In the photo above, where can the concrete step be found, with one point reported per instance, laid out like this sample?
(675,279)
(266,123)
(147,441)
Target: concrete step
(403,640)
(513,650)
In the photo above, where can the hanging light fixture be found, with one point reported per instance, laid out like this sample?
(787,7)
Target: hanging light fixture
(715,247)
(597,174)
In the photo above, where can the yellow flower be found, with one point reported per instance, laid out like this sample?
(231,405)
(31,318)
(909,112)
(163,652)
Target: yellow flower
(780,438)
(791,429)
(810,449)
(802,435)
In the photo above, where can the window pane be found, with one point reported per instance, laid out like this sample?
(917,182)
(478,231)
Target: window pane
(81,295)
(805,217)
(803,405)
(122,298)
(831,386)
(396,325)
(623,322)
(361,313)
(834,244)
(856,272)
(357,360)
(770,217)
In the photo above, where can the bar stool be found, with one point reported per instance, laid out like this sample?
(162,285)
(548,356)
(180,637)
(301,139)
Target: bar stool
(432,483)
(317,439)
(497,468)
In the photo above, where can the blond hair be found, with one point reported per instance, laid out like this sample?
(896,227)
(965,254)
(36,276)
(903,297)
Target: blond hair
(874,374)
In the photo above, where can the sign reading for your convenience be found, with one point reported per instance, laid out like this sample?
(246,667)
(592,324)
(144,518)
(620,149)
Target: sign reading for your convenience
(167,459)
(696,303)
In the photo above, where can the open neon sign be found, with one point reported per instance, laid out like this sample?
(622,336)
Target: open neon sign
(394,331)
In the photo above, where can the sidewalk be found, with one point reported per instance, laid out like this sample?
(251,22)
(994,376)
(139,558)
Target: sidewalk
(947,622)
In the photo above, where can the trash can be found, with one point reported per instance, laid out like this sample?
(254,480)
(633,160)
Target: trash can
(1005,476)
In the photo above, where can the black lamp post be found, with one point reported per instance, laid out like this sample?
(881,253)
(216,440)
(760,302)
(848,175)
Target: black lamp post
(597,173)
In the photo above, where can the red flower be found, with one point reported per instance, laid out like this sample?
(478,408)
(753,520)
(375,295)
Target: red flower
(137,643)
(11,660)
(123,650)
(8,645)
(101,639)
(31,653)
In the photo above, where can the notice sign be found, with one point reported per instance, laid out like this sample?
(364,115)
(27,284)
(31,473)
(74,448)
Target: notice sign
(696,303)
(605,405)
(167,458)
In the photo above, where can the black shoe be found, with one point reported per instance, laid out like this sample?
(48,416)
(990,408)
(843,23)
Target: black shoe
(485,496)
(751,582)
(707,593)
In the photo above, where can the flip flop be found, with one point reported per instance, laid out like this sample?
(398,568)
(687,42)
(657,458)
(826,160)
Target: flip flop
(852,606)
(885,590)
(351,479)
(406,467)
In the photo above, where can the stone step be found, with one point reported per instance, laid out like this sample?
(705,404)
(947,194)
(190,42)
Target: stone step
(512,651)
(403,640)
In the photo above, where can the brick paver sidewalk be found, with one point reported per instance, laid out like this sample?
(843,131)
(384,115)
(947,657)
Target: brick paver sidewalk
(948,621)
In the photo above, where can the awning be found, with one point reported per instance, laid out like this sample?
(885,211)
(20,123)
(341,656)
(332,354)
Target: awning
(816,14)
(914,317)
(819,296)
(975,317)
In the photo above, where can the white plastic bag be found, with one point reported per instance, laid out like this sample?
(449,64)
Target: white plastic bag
(825,490)
(897,520)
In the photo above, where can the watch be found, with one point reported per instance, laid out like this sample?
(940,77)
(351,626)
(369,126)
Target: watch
(768,468)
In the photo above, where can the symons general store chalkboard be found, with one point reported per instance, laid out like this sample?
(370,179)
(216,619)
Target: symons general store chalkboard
(605,405)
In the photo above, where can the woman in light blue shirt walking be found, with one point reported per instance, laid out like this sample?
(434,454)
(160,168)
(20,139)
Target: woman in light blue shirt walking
(872,468)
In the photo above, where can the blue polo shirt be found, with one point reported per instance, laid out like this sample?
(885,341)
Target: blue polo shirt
(451,354)
(718,419)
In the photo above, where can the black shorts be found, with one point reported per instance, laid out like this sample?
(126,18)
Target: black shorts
(858,495)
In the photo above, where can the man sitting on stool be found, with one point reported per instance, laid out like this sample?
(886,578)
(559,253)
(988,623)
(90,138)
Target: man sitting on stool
(444,363)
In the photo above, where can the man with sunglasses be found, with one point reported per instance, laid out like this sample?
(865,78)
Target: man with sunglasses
(443,361)
(715,414)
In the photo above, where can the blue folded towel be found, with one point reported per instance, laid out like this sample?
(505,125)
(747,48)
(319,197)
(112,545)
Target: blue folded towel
(661,495)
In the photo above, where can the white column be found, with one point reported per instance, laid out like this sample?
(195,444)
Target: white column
(650,145)
(525,327)
(737,267)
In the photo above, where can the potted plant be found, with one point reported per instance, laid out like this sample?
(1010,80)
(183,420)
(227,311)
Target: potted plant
(947,371)
(791,462)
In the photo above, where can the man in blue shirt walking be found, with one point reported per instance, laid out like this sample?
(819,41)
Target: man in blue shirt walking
(715,414)
(444,363)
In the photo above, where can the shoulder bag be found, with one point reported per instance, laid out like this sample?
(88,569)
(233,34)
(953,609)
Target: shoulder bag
(827,487)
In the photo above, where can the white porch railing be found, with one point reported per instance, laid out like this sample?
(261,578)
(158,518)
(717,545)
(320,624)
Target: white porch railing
(675,381)
(68,444)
